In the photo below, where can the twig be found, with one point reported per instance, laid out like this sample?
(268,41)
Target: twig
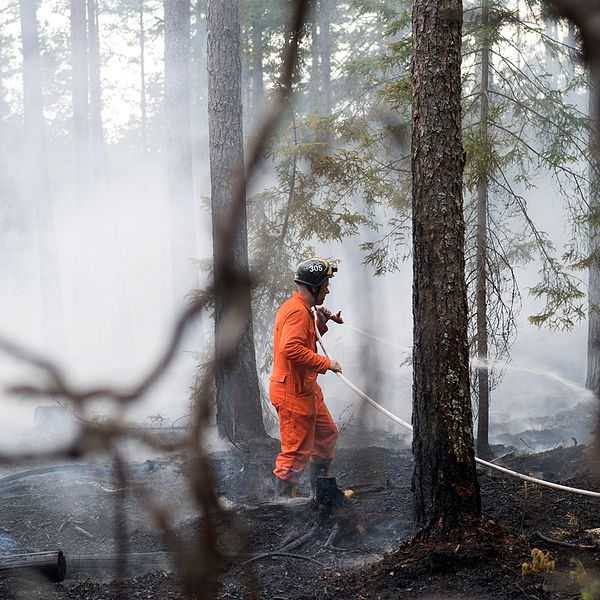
(526,443)
(83,532)
(284,554)
(298,541)
(332,536)
(566,544)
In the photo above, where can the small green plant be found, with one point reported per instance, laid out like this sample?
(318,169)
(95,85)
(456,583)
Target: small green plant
(540,561)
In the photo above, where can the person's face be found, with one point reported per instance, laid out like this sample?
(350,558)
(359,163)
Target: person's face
(323,292)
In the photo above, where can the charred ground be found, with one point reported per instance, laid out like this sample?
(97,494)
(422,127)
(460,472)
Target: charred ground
(292,550)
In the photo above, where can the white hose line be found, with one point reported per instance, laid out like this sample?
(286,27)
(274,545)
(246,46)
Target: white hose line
(485,463)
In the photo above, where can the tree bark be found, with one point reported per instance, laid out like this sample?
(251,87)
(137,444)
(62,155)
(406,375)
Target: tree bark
(81,121)
(445,488)
(483,446)
(239,415)
(314,63)
(179,145)
(257,68)
(325,11)
(593,344)
(38,189)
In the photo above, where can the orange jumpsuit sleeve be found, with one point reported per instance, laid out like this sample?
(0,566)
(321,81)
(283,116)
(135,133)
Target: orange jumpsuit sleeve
(293,343)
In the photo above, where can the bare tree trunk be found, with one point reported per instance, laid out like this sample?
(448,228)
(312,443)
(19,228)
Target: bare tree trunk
(39,192)
(96,130)
(143,103)
(325,11)
(445,488)
(239,413)
(314,66)
(179,145)
(199,98)
(81,121)
(258,92)
(199,55)
(593,344)
(483,446)
(98,151)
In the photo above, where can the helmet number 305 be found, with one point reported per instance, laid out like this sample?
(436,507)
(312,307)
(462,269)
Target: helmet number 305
(315,267)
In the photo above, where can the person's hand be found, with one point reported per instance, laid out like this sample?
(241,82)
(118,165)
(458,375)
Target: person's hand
(335,366)
(325,314)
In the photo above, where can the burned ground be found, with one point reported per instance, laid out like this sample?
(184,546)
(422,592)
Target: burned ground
(292,550)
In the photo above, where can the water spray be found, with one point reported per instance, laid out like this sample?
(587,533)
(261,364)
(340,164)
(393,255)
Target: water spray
(485,463)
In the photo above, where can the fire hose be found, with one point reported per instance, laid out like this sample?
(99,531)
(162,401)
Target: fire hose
(485,463)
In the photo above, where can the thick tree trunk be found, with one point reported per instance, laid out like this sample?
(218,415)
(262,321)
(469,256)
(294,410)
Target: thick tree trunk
(239,413)
(593,345)
(81,121)
(325,12)
(445,488)
(143,103)
(179,146)
(38,190)
(483,446)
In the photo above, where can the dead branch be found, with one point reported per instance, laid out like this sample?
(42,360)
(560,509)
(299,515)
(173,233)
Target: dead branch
(566,544)
(285,554)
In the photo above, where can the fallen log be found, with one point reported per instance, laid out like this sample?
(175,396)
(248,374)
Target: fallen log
(52,565)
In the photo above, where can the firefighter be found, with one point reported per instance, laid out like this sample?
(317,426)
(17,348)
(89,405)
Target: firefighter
(308,433)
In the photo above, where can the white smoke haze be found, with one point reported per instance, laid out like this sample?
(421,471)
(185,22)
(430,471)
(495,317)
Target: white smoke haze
(116,279)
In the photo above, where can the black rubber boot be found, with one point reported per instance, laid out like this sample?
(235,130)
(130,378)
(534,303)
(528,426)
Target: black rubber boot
(316,470)
(328,494)
(284,488)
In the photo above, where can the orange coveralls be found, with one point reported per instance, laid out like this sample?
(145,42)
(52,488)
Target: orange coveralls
(307,429)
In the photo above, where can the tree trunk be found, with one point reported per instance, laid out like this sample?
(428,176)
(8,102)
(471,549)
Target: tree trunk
(179,146)
(593,345)
(38,190)
(98,155)
(239,415)
(143,103)
(445,488)
(81,121)
(257,68)
(314,64)
(325,11)
(97,134)
(483,446)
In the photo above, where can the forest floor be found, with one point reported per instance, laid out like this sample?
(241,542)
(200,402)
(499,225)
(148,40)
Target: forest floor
(292,550)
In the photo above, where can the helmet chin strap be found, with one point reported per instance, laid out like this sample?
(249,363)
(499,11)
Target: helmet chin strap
(315,291)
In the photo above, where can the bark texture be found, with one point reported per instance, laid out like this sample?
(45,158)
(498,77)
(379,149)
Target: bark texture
(179,146)
(258,92)
(324,16)
(593,346)
(483,446)
(38,192)
(445,488)
(239,413)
